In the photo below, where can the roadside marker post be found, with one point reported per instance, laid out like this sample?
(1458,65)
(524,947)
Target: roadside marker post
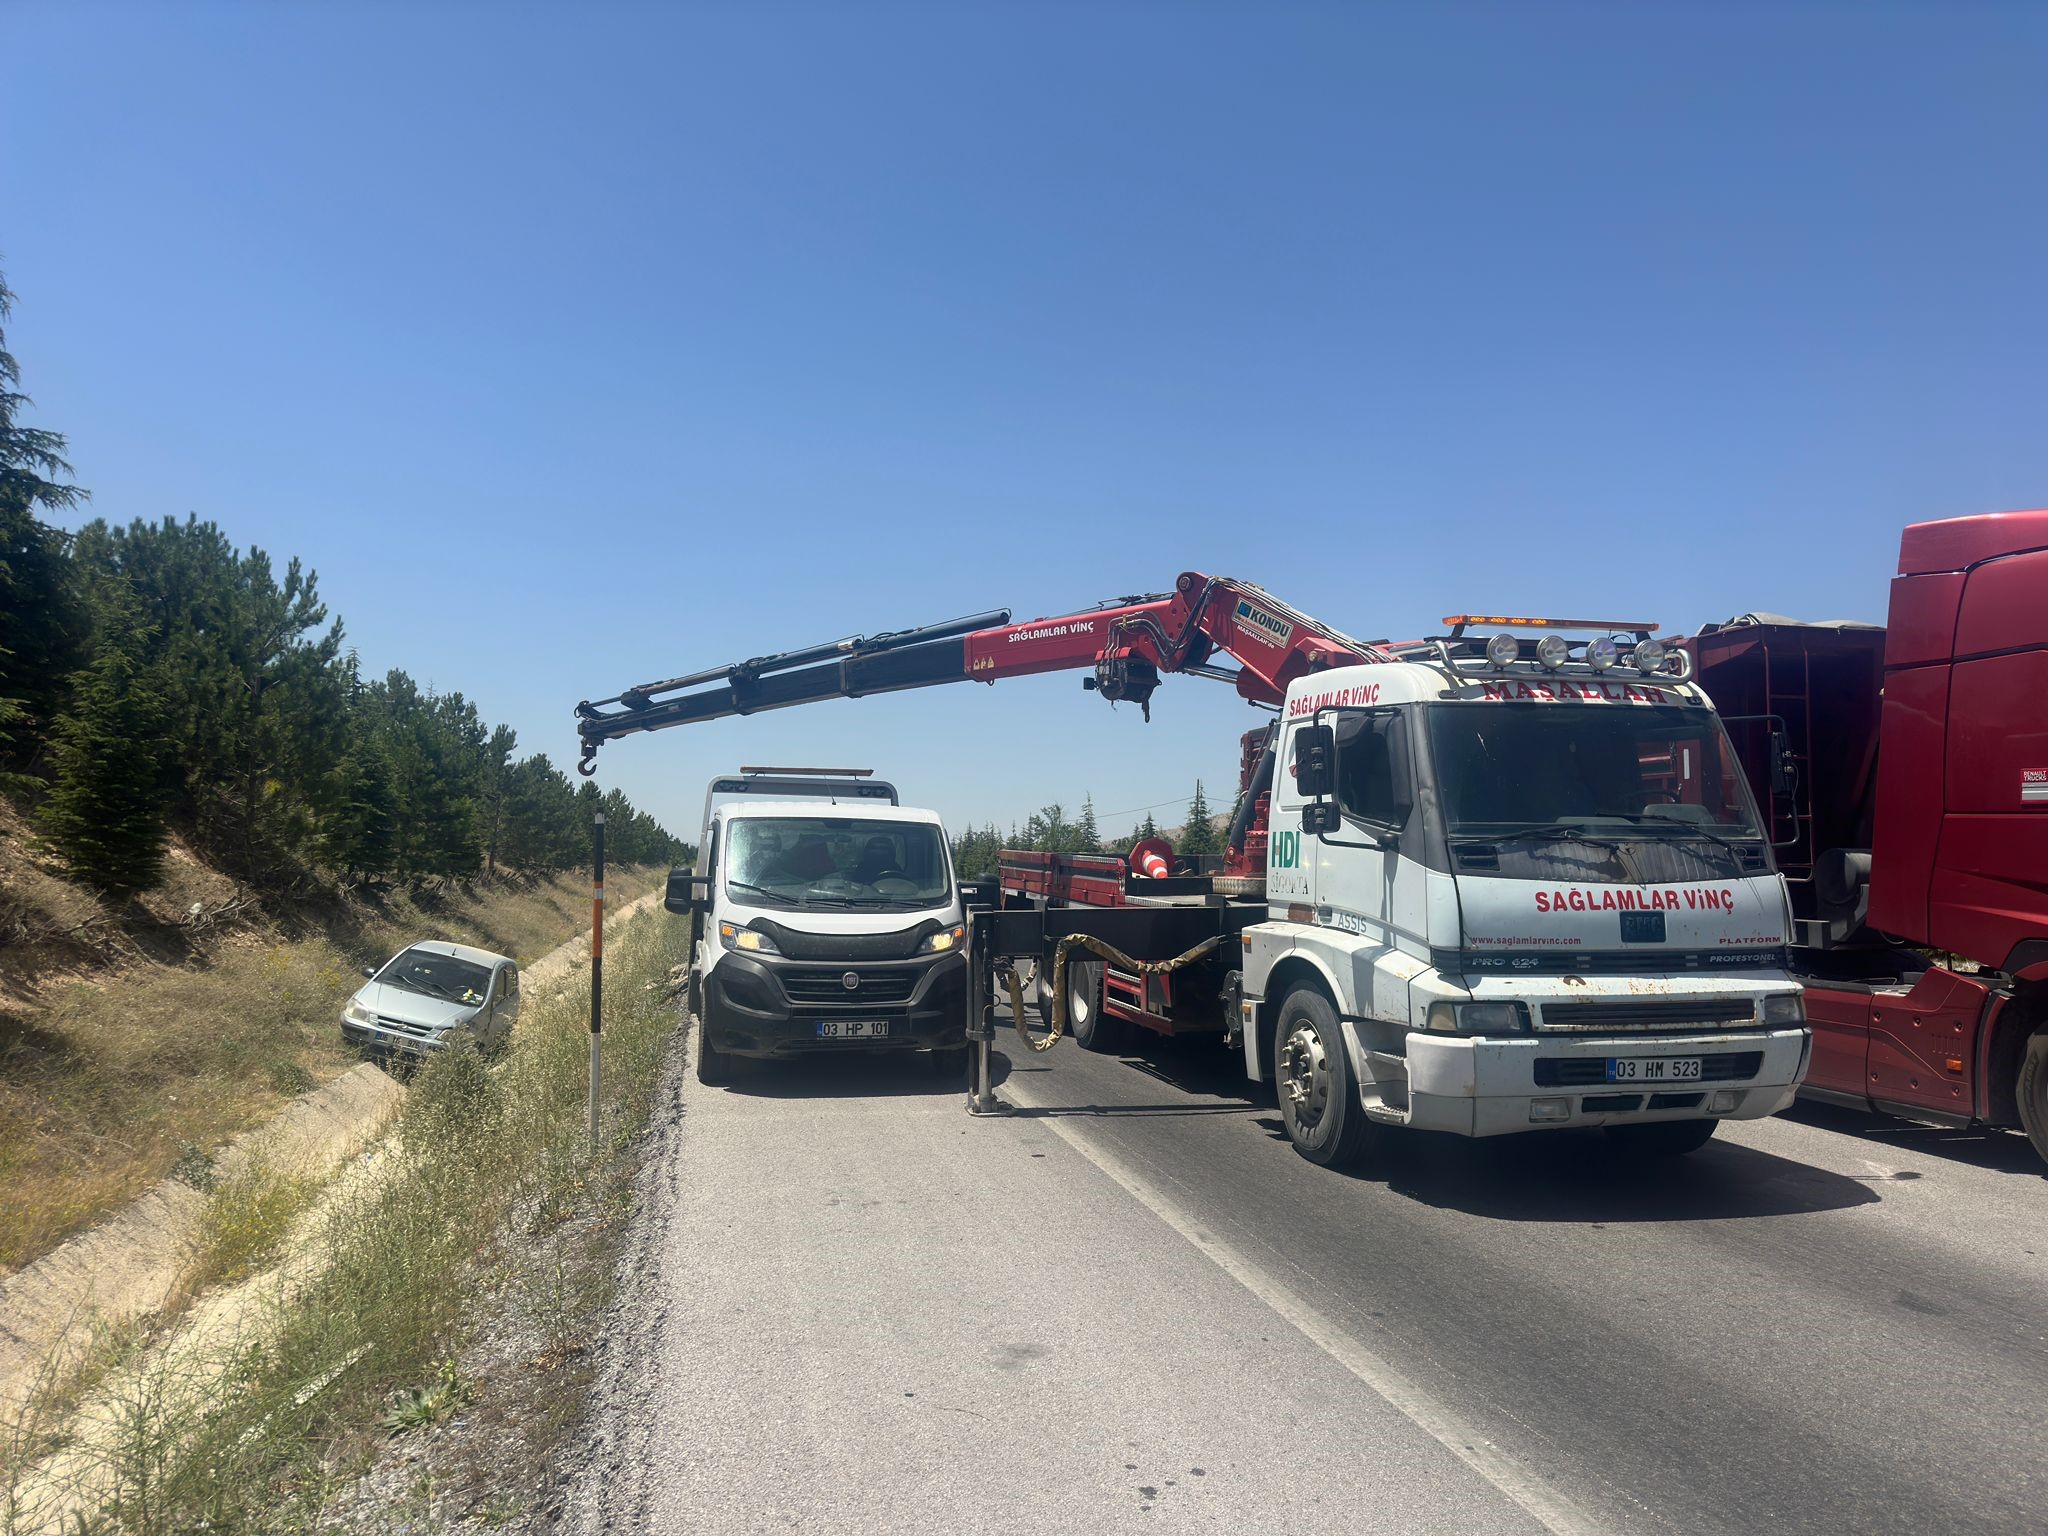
(596,967)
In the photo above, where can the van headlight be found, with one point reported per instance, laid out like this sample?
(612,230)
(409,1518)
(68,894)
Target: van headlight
(1785,1008)
(752,940)
(945,939)
(356,1013)
(1479,1018)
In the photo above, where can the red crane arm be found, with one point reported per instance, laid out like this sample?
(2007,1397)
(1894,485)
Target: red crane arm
(1128,644)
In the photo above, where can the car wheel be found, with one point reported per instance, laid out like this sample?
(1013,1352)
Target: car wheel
(1661,1138)
(2033,1091)
(1319,1101)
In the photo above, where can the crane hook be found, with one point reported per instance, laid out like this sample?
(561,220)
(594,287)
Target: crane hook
(587,764)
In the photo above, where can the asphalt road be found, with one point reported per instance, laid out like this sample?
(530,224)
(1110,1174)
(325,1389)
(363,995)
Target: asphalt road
(1130,1305)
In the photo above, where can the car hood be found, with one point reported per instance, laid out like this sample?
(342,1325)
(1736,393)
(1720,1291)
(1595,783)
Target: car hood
(410,1007)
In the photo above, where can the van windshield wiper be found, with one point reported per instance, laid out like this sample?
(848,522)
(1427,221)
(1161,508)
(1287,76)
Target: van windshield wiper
(761,890)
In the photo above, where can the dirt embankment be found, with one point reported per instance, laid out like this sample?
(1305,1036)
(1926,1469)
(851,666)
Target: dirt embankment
(131,1048)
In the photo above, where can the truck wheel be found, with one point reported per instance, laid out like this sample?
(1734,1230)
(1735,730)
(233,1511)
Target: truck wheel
(1318,1100)
(714,1067)
(1661,1138)
(1092,1028)
(2033,1091)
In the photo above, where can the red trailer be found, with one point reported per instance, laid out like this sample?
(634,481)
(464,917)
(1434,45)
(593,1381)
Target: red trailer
(1905,771)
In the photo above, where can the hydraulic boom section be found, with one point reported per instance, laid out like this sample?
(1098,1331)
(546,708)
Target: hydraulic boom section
(1127,643)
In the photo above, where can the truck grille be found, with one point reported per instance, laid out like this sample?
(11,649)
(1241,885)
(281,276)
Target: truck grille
(1601,1018)
(1581,1071)
(827,984)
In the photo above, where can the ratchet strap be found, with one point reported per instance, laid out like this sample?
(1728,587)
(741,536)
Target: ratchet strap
(1106,951)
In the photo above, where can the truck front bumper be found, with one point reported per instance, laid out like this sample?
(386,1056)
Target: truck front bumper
(749,1012)
(1491,1087)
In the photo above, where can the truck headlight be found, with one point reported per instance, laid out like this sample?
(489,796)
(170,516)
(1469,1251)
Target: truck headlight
(945,939)
(1785,1008)
(1479,1018)
(356,1013)
(752,940)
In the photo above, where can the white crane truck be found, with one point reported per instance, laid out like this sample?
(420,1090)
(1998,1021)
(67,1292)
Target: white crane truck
(1480,883)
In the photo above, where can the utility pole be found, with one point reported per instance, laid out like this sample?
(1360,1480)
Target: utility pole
(596,967)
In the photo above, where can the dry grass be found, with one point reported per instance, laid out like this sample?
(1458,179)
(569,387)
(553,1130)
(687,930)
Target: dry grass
(105,1084)
(259,1437)
(245,1222)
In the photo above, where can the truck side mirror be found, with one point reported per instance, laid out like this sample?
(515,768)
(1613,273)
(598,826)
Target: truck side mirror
(1784,767)
(1321,818)
(1315,761)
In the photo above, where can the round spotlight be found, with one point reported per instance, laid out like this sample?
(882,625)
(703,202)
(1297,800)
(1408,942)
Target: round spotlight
(1649,656)
(1553,651)
(1504,650)
(1602,653)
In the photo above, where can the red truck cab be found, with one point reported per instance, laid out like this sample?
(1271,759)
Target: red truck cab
(1906,774)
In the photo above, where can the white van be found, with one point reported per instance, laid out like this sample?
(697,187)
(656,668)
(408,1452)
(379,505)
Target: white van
(831,922)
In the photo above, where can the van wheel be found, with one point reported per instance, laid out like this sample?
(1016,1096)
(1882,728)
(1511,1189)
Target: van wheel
(1661,1138)
(2033,1091)
(1319,1101)
(1092,1028)
(714,1067)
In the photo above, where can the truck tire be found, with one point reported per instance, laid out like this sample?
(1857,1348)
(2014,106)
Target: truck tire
(1092,1028)
(2033,1091)
(1319,1101)
(714,1067)
(1661,1138)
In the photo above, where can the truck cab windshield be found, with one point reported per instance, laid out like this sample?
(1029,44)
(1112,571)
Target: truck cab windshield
(837,861)
(1635,771)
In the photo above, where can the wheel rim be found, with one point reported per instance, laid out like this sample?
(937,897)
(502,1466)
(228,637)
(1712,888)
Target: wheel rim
(1304,1074)
(1082,981)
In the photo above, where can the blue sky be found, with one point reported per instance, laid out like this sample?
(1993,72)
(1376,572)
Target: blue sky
(582,345)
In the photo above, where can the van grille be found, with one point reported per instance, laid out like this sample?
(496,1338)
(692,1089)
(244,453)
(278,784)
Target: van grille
(827,984)
(1579,1071)
(1681,1014)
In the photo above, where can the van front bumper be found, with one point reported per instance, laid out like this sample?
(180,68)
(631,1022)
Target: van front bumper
(749,1008)
(1491,1087)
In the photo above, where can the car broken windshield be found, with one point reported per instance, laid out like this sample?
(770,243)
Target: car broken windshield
(436,975)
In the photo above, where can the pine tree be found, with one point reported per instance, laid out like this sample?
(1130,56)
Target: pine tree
(105,811)
(1087,835)
(1200,834)
(40,626)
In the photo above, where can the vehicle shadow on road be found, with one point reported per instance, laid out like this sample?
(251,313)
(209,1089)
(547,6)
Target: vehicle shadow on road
(1996,1150)
(1576,1177)
(879,1076)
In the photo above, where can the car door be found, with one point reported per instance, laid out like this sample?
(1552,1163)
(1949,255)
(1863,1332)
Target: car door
(505,1011)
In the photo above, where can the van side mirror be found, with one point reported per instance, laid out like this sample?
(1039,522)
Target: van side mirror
(687,892)
(1315,762)
(370,971)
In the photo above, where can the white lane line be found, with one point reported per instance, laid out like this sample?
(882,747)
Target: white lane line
(1538,1499)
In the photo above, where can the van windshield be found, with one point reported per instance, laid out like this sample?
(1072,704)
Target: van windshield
(1632,771)
(836,861)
